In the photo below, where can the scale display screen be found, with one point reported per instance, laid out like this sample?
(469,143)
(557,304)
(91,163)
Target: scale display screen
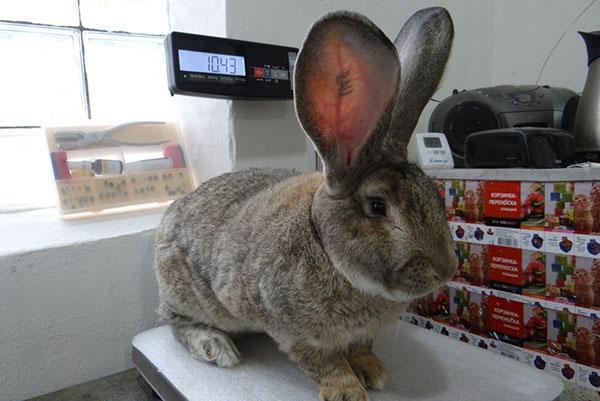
(212,63)
(209,66)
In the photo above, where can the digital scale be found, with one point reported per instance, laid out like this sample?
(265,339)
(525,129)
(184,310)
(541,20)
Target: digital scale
(430,150)
(208,66)
(420,364)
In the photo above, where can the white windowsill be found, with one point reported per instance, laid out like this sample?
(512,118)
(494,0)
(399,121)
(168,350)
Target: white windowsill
(33,230)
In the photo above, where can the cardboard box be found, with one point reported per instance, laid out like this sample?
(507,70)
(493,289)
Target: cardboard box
(474,200)
(586,207)
(516,323)
(587,335)
(462,250)
(435,305)
(505,270)
(454,200)
(559,207)
(534,273)
(473,263)
(514,204)
(587,282)
(561,334)
(468,311)
(560,280)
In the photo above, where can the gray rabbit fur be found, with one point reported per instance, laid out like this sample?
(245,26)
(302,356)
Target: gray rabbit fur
(320,262)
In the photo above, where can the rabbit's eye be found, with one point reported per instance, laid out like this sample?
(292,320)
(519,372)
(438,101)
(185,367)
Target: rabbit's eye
(377,208)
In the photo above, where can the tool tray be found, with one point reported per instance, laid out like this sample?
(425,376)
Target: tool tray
(113,169)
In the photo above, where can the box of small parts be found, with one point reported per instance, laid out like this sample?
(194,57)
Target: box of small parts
(111,169)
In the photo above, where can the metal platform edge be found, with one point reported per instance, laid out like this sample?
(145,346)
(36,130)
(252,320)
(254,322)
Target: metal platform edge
(155,379)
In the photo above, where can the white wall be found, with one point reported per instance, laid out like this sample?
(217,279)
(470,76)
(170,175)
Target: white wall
(68,314)
(286,23)
(204,123)
(525,33)
(496,42)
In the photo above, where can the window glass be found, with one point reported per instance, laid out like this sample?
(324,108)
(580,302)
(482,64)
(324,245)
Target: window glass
(143,16)
(40,76)
(55,12)
(127,77)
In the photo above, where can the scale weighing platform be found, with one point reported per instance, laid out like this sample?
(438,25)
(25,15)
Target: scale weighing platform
(420,365)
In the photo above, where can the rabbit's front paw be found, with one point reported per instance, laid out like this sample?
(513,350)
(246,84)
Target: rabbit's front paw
(343,388)
(214,346)
(368,368)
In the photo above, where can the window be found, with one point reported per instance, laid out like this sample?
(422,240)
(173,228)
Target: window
(68,61)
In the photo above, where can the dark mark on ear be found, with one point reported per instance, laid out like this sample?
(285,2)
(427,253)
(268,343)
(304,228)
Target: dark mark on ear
(344,85)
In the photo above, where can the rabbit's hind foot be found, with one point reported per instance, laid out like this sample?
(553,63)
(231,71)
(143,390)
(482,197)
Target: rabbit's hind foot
(208,344)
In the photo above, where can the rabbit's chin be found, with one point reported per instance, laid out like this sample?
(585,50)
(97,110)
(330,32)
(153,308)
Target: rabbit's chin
(372,287)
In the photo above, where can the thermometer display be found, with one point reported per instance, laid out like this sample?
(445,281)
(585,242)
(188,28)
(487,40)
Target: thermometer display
(432,142)
(212,63)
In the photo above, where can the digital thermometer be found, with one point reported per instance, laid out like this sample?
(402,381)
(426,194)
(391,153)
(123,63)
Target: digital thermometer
(208,66)
(430,150)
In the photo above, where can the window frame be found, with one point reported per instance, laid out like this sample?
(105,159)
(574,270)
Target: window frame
(80,29)
(31,128)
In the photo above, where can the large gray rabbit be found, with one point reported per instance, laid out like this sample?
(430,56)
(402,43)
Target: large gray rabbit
(320,261)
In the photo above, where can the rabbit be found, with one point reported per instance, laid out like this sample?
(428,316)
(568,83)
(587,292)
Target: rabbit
(320,262)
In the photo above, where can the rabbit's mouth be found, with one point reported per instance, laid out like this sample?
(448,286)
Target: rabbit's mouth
(418,276)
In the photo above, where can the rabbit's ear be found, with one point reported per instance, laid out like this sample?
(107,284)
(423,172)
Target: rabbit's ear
(423,45)
(345,86)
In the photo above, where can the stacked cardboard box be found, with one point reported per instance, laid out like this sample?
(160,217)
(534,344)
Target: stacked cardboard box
(528,280)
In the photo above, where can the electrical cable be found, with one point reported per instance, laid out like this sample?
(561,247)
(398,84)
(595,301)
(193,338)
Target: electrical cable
(561,38)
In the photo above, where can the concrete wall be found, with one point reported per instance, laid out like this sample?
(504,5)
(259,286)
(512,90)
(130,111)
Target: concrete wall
(68,314)
(204,123)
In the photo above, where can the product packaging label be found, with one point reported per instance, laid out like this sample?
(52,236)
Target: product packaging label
(454,200)
(587,282)
(505,320)
(559,206)
(505,269)
(534,272)
(586,207)
(560,280)
(502,203)
(561,335)
(587,337)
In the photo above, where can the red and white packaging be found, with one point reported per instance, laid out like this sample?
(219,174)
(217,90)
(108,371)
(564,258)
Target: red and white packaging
(514,204)
(505,271)
(502,203)
(520,324)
